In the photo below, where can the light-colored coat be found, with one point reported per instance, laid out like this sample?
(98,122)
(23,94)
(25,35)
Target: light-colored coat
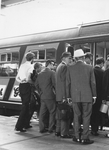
(80,82)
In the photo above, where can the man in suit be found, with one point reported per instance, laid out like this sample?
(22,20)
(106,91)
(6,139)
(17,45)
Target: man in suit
(81,87)
(96,117)
(62,127)
(45,84)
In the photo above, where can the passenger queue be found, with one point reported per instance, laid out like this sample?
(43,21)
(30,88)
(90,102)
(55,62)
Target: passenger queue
(70,93)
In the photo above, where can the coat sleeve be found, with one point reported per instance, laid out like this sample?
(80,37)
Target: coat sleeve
(105,85)
(63,80)
(53,78)
(68,83)
(93,83)
(37,85)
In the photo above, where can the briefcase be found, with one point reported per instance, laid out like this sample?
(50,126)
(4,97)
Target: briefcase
(65,111)
(104,108)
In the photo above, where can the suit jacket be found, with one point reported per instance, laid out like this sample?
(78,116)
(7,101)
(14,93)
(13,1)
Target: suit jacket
(45,84)
(99,81)
(61,81)
(106,85)
(80,82)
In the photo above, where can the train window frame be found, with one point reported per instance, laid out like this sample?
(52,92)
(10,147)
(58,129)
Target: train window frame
(38,51)
(52,50)
(9,67)
(6,60)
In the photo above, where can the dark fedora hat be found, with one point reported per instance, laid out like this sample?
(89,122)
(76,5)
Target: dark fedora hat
(66,54)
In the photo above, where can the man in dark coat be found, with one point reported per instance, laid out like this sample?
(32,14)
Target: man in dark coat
(105,97)
(62,126)
(80,85)
(45,84)
(95,117)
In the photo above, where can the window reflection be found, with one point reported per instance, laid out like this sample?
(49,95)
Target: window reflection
(9,63)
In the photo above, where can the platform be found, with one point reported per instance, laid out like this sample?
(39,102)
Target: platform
(33,140)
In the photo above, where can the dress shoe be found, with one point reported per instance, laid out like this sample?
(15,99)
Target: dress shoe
(50,131)
(76,140)
(94,133)
(107,135)
(21,130)
(87,141)
(66,136)
(43,131)
(57,133)
(28,127)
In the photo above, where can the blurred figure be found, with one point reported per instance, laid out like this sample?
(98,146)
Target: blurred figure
(106,93)
(24,78)
(88,58)
(96,115)
(106,63)
(81,87)
(62,126)
(35,98)
(72,61)
(45,84)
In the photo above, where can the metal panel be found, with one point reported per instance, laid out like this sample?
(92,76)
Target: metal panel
(94,29)
(52,36)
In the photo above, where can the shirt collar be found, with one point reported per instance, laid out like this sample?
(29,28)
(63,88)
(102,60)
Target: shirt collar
(64,62)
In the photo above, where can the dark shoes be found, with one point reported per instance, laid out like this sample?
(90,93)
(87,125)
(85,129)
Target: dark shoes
(107,135)
(87,141)
(28,127)
(50,131)
(63,136)
(76,140)
(43,131)
(66,136)
(21,130)
(57,133)
(94,133)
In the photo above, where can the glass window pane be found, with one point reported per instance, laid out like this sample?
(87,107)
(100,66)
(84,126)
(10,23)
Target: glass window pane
(3,57)
(9,69)
(50,53)
(15,56)
(35,54)
(42,54)
(8,57)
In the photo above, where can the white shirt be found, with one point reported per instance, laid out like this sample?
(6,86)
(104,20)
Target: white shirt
(24,72)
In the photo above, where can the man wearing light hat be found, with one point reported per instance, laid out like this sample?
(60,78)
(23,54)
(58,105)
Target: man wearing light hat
(81,87)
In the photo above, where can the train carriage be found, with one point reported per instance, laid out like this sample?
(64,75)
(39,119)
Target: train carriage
(92,37)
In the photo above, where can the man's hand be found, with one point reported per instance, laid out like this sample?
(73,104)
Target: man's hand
(64,100)
(94,100)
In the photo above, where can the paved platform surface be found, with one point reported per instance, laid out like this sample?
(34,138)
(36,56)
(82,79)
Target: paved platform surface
(33,140)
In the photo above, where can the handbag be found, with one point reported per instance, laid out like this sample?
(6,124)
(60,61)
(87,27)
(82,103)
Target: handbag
(65,111)
(104,108)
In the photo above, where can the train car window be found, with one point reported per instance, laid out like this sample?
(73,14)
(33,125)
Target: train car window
(9,57)
(35,54)
(42,54)
(9,62)
(50,53)
(3,57)
(85,46)
(15,56)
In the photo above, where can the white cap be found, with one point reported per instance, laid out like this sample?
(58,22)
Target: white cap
(79,53)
